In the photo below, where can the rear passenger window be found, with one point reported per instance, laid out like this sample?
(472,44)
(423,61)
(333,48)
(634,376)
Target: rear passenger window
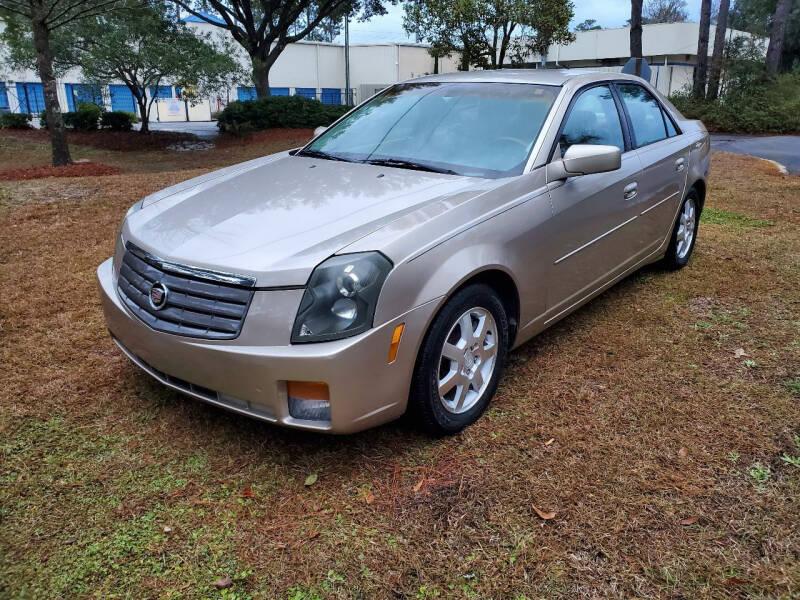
(644,111)
(593,119)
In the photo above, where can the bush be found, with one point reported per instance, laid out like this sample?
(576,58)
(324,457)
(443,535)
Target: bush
(770,105)
(86,118)
(15,121)
(277,111)
(118,120)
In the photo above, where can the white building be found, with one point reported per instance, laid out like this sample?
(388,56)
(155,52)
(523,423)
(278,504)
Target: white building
(317,70)
(669,48)
(310,69)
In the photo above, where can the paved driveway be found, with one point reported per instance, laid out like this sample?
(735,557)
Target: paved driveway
(202,129)
(784,149)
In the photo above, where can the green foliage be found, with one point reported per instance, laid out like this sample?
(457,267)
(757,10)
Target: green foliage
(15,121)
(755,16)
(759,105)
(145,44)
(118,120)
(86,118)
(277,111)
(488,32)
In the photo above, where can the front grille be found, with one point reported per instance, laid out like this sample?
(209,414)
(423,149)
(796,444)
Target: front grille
(197,304)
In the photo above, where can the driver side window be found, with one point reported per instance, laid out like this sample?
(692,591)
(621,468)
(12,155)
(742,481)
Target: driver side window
(593,119)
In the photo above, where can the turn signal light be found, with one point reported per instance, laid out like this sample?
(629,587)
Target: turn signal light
(395,345)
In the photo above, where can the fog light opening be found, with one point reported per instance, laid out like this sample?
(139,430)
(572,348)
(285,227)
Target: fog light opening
(309,400)
(394,346)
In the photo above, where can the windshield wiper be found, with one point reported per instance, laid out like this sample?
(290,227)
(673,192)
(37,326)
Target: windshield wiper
(408,164)
(321,154)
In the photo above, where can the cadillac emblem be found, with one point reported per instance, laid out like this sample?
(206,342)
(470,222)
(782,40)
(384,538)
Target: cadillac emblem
(158,295)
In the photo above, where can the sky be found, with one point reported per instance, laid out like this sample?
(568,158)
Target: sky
(607,13)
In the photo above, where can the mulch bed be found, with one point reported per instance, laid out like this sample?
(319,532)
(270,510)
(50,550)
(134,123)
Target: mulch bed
(73,170)
(291,136)
(122,141)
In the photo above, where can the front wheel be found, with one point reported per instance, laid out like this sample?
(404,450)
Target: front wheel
(460,361)
(684,233)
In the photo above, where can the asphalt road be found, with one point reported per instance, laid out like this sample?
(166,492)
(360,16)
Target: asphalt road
(784,149)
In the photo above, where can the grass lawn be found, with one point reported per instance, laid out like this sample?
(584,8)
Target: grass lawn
(660,423)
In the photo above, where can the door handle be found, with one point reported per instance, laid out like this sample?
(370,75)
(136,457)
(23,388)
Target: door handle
(630,192)
(680,164)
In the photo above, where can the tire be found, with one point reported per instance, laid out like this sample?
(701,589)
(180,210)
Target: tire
(679,251)
(470,378)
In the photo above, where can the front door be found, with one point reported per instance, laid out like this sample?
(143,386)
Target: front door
(593,230)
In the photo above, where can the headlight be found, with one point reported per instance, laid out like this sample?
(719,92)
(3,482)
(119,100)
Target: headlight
(340,298)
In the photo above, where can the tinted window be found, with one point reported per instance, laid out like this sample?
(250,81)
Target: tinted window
(645,114)
(593,119)
(671,131)
(478,129)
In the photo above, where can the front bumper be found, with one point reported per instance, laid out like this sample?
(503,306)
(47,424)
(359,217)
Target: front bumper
(248,378)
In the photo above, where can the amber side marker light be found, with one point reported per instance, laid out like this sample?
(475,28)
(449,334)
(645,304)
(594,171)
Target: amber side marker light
(309,400)
(395,345)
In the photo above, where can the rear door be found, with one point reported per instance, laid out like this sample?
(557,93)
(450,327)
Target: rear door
(664,155)
(592,234)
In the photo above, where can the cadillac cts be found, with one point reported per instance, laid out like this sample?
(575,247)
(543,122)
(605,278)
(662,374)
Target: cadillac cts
(393,262)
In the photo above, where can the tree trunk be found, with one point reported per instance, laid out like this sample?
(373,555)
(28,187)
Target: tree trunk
(144,113)
(44,64)
(701,70)
(719,48)
(636,33)
(261,67)
(776,34)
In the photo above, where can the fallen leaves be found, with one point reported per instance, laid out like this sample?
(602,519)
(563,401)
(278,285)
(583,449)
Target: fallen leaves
(369,498)
(310,480)
(690,521)
(543,514)
(247,492)
(223,583)
(167,529)
(418,486)
(683,453)
(550,441)
(739,353)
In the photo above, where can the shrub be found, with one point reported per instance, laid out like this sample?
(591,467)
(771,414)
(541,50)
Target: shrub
(86,118)
(761,106)
(118,120)
(277,111)
(15,121)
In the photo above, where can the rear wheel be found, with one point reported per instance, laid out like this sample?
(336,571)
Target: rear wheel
(460,361)
(684,234)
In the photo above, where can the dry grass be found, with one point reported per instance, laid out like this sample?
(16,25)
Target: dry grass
(665,472)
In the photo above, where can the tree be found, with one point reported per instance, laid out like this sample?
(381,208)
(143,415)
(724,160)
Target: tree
(145,45)
(636,32)
(719,47)
(40,20)
(756,16)
(587,25)
(701,70)
(665,11)
(486,32)
(263,28)
(777,32)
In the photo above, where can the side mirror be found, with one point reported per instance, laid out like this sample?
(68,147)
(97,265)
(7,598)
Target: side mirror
(585,159)
(320,130)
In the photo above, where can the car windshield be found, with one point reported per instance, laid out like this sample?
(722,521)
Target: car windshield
(474,129)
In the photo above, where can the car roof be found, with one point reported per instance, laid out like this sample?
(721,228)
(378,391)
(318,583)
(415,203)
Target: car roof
(541,76)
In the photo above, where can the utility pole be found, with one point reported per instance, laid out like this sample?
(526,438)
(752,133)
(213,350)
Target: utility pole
(348,98)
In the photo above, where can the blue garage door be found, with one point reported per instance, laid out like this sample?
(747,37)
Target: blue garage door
(306,92)
(82,92)
(331,96)
(278,91)
(163,91)
(122,98)
(245,93)
(31,97)
(3,96)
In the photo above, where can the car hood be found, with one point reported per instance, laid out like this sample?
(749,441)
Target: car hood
(277,217)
